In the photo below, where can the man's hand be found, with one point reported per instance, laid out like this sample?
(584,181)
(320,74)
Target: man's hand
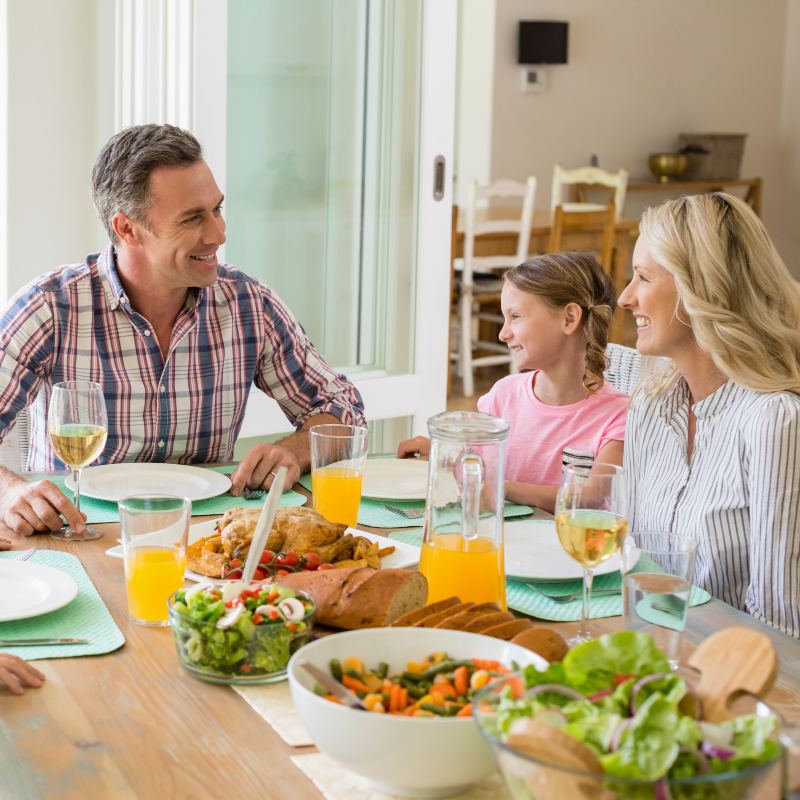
(257,469)
(410,447)
(16,674)
(36,507)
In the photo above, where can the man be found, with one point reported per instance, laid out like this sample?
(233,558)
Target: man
(174,338)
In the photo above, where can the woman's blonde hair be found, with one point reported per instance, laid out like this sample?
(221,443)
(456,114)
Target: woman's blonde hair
(742,303)
(563,278)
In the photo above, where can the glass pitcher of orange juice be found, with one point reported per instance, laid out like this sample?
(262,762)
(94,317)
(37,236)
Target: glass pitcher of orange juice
(462,546)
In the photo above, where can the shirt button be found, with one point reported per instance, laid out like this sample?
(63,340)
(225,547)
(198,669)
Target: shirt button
(146,332)
(123,299)
(161,443)
(162,389)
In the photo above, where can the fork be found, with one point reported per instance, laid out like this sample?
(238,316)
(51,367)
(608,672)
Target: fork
(408,513)
(568,598)
(25,555)
(253,494)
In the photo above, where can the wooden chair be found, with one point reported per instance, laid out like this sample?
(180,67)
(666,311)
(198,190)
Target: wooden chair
(479,282)
(616,182)
(602,221)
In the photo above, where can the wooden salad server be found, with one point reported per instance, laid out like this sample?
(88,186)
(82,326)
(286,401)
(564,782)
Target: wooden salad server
(732,661)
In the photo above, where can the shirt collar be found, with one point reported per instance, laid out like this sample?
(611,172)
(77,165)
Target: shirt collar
(112,286)
(677,396)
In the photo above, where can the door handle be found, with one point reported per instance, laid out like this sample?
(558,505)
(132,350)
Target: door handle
(438,177)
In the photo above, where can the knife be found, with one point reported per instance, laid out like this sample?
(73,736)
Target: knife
(35,642)
(334,687)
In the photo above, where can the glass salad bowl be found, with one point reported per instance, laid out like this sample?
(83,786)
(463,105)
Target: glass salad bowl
(234,633)
(612,721)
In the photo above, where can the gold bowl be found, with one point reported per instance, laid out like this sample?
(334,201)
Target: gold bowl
(666,166)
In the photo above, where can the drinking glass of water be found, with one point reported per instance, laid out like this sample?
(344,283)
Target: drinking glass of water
(657,580)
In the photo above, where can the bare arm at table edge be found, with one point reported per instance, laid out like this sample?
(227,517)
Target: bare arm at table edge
(28,507)
(293,452)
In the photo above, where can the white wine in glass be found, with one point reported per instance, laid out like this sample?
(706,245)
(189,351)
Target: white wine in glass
(78,426)
(591,523)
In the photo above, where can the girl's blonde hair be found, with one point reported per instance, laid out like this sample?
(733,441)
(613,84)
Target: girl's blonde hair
(563,278)
(742,303)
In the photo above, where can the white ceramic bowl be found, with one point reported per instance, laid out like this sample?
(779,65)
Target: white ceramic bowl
(407,756)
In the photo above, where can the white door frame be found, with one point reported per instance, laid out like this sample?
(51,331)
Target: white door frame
(183,83)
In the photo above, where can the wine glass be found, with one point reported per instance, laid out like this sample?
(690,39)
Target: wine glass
(591,523)
(78,427)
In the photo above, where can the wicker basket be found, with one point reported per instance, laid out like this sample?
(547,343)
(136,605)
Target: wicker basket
(712,156)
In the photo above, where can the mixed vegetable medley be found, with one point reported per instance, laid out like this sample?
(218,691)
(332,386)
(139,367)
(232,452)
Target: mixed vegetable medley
(618,696)
(438,686)
(236,628)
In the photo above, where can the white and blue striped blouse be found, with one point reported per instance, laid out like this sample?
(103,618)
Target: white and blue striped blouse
(738,496)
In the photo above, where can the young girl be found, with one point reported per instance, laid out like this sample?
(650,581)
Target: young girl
(557,309)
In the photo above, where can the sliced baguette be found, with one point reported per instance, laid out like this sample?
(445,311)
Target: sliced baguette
(478,624)
(433,619)
(457,621)
(412,617)
(507,630)
(544,641)
(361,597)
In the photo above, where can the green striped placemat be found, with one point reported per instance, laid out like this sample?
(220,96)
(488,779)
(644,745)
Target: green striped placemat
(374,513)
(98,511)
(86,617)
(521,597)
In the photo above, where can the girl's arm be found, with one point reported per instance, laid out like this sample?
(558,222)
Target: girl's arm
(544,497)
(773,594)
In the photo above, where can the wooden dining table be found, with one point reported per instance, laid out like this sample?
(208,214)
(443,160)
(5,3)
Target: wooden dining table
(132,724)
(490,244)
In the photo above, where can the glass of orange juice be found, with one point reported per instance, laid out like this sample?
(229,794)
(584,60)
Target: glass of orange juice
(154,535)
(337,465)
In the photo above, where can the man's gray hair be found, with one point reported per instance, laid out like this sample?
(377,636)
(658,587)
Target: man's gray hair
(121,174)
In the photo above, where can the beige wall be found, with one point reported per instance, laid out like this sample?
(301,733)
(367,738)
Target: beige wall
(57,74)
(642,71)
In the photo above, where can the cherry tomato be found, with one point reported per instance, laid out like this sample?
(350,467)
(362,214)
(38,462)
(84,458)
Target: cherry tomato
(235,562)
(326,566)
(233,574)
(259,574)
(310,561)
(287,559)
(267,557)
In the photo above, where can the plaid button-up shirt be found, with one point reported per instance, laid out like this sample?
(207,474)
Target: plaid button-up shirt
(77,324)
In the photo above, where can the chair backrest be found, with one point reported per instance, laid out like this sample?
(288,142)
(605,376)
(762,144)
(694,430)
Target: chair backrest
(627,369)
(15,445)
(494,224)
(588,176)
(601,221)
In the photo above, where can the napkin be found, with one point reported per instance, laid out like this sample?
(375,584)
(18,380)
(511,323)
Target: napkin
(374,514)
(86,617)
(337,783)
(273,702)
(98,511)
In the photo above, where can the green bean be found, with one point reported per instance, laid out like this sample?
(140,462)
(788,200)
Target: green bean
(382,670)
(440,711)
(354,673)
(445,666)
(336,669)
(416,691)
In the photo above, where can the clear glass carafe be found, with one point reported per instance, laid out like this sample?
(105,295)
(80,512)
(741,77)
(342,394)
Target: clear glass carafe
(462,547)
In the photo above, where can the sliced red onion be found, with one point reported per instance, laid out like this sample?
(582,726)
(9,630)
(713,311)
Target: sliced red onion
(556,688)
(716,735)
(616,737)
(661,789)
(637,687)
(702,762)
(712,751)
(600,695)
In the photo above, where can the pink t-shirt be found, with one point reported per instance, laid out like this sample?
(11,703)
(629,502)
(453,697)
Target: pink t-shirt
(542,439)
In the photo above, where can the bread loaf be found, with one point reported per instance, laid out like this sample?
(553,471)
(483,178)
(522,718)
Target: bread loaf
(361,597)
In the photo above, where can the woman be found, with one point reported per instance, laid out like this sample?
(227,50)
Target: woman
(713,441)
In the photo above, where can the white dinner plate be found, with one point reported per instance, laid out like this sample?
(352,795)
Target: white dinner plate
(116,481)
(405,555)
(395,479)
(28,590)
(533,553)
